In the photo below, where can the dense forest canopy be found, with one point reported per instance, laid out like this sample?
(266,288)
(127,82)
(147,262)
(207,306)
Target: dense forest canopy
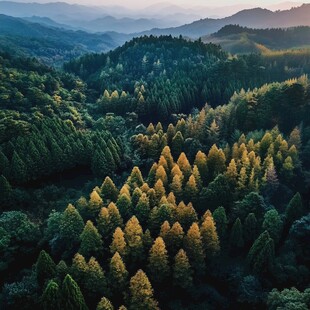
(199,190)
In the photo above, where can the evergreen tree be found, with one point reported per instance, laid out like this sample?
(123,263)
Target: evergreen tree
(164,229)
(105,304)
(216,162)
(294,209)
(45,267)
(118,274)
(182,272)
(79,268)
(135,179)
(261,254)
(114,216)
(72,297)
(176,187)
(191,190)
(141,293)
(137,193)
(220,218)
(209,236)
(158,265)
(91,242)
(50,299)
(108,190)
(185,166)
(159,190)
(174,238)
(133,236)
(124,206)
(118,243)
(94,205)
(143,209)
(162,175)
(166,153)
(194,249)
(201,163)
(273,224)
(177,144)
(5,190)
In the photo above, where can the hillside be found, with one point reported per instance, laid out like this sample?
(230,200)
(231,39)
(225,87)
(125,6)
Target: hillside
(50,44)
(165,75)
(237,39)
(253,18)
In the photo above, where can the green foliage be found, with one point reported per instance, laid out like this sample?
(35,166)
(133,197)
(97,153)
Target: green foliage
(45,267)
(51,296)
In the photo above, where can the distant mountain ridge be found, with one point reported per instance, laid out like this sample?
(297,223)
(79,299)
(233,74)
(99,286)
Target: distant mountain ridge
(253,18)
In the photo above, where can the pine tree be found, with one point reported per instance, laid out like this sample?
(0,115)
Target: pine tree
(124,206)
(170,133)
(191,190)
(209,236)
(95,204)
(166,153)
(108,190)
(152,174)
(197,177)
(91,242)
(118,243)
(61,270)
(174,238)
(236,236)
(162,175)
(159,190)
(216,162)
(158,266)
(135,179)
(176,187)
(114,216)
(201,163)
(261,254)
(141,293)
(232,173)
(118,274)
(72,297)
(50,299)
(164,229)
(185,166)
(194,249)
(45,267)
(273,224)
(18,171)
(186,214)
(134,239)
(105,304)
(95,282)
(143,209)
(220,218)
(79,268)
(137,193)
(177,144)
(104,223)
(182,272)
(294,209)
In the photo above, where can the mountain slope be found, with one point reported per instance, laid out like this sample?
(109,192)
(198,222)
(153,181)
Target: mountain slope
(50,44)
(237,39)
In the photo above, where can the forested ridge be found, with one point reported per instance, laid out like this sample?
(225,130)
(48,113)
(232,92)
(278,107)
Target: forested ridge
(199,194)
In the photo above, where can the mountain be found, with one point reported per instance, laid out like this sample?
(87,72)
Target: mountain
(52,45)
(254,18)
(237,39)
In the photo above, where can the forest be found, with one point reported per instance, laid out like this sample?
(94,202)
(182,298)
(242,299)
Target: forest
(165,174)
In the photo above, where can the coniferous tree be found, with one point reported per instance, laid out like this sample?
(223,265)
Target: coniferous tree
(6,191)
(45,267)
(124,206)
(79,268)
(114,217)
(141,293)
(108,189)
(91,242)
(158,266)
(194,249)
(191,190)
(174,238)
(201,163)
(209,236)
(72,297)
(250,228)
(143,209)
(273,224)
(220,218)
(177,144)
(50,299)
(134,239)
(135,179)
(294,209)
(118,274)
(182,272)
(118,243)
(105,304)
